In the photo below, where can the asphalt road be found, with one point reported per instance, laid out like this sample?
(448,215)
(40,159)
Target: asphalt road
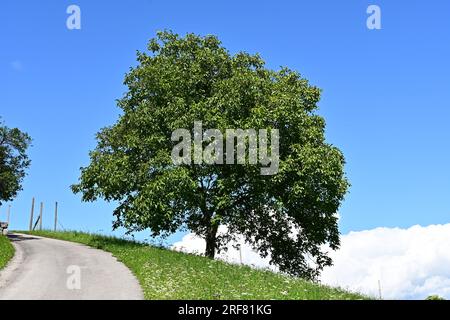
(47,269)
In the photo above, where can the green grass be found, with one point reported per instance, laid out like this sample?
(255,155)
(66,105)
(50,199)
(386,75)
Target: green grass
(165,274)
(6,251)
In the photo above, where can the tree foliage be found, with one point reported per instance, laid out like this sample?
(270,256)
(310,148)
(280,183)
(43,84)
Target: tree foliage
(290,216)
(13,161)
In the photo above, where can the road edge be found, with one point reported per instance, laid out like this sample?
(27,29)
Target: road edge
(7,274)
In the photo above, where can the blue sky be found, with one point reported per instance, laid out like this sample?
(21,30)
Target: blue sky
(385,97)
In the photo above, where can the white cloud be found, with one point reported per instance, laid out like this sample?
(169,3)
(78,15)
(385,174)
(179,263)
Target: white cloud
(408,263)
(193,244)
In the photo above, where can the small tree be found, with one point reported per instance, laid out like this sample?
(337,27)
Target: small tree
(13,161)
(289,216)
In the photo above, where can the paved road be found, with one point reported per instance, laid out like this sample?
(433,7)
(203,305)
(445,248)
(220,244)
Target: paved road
(47,269)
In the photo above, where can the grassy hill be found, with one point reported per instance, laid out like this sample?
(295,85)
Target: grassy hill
(165,274)
(6,251)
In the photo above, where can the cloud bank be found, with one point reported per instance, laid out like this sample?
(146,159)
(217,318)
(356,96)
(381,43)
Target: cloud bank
(400,263)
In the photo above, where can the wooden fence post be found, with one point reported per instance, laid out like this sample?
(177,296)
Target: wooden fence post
(9,214)
(56,215)
(31,217)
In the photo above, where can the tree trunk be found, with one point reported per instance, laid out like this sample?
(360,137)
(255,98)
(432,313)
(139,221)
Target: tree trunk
(211,239)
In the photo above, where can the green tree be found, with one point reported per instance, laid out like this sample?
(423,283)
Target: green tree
(13,161)
(290,216)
